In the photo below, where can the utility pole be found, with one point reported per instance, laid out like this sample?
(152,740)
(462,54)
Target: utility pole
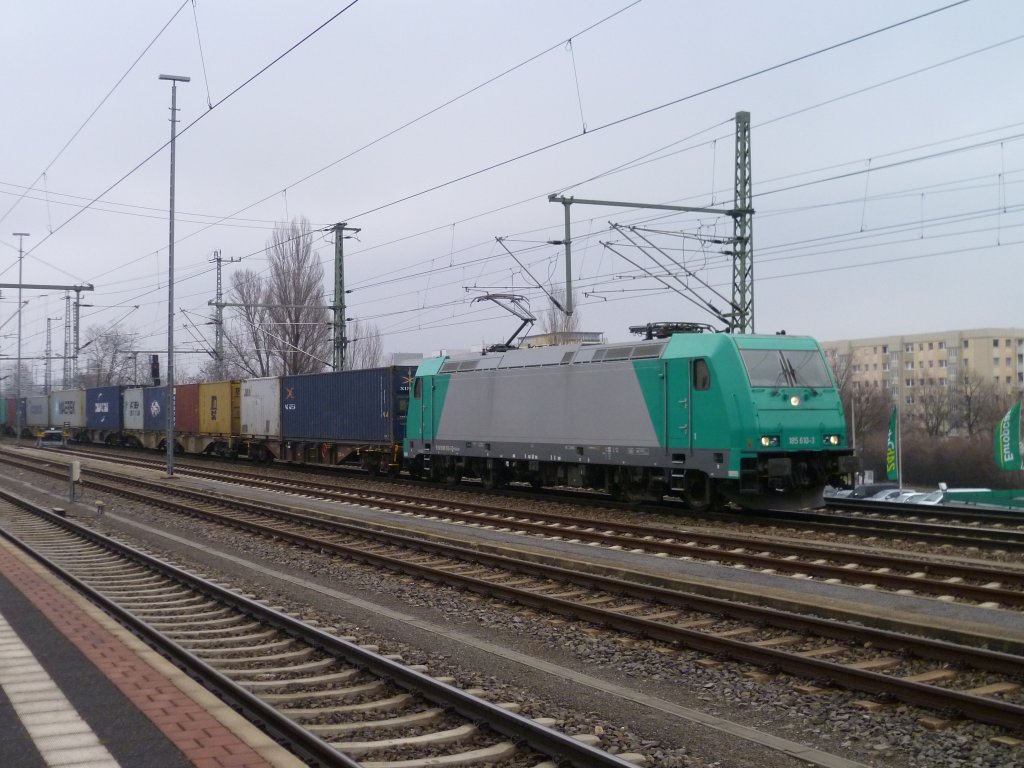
(340,339)
(219,304)
(743,232)
(175,79)
(17,373)
(66,373)
(49,351)
(741,316)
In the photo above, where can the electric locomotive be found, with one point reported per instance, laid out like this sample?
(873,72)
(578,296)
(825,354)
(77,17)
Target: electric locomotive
(755,420)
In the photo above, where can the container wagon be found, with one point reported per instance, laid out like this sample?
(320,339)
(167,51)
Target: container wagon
(345,417)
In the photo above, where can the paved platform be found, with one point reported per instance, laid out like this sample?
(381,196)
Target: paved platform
(77,690)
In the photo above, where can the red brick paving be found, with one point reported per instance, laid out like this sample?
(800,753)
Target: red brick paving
(202,738)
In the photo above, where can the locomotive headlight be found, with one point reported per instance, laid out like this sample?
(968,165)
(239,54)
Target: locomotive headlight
(770,441)
(831,439)
(794,400)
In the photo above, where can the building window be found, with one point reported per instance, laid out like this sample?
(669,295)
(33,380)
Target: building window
(995,342)
(910,399)
(966,342)
(909,365)
(908,347)
(966,362)
(921,364)
(931,345)
(931,363)
(995,362)
(909,382)
(885,366)
(1006,343)
(885,349)
(942,363)
(942,382)
(920,347)
(931,382)
(942,345)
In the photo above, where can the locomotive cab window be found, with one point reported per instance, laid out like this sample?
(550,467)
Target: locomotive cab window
(417,388)
(701,375)
(786,368)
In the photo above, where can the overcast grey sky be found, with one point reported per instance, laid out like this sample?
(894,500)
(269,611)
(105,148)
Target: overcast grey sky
(887,171)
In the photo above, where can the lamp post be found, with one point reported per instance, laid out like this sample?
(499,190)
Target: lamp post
(17,371)
(175,79)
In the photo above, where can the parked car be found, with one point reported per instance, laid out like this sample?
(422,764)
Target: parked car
(893,494)
(869,490)
(912,498)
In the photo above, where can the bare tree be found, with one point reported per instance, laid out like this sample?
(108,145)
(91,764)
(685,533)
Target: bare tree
(108,356)
(553,320)
(246,346)
(976,404)
(283,326)
(302,322)
(934,409)
(365,349)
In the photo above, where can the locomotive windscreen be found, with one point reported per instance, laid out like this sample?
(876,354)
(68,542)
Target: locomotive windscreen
(786,368)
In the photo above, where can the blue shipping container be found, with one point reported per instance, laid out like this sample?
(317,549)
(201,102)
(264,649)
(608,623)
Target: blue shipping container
(154,409)
(366,406)
(103,408)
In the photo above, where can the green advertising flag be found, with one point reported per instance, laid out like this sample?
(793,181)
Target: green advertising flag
(1008,440)
(891,469)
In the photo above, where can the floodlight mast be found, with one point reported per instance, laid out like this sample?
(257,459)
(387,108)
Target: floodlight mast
(175,79)
(17,372)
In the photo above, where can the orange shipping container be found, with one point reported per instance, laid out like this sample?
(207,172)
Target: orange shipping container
(219,404)
(185,417)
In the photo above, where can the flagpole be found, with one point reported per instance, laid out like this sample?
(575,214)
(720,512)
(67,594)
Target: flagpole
(899,446)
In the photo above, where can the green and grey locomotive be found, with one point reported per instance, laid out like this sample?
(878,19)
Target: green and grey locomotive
(754,420)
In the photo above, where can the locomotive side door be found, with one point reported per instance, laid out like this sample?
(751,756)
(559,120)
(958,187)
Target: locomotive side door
(424,393)
(678,396)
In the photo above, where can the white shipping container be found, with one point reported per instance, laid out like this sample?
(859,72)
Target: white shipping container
(133,404)
(37,411)
(67,408)
(261,408)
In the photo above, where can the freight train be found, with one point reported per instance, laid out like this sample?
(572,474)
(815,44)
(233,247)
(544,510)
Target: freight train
(754,420)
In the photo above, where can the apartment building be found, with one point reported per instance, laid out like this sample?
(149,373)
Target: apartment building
(909,363)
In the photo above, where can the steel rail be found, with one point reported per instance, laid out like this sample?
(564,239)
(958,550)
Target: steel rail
(983,709)
(545,740)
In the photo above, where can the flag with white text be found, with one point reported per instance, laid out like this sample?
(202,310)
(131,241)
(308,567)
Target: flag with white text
(891,447)
(1008,440)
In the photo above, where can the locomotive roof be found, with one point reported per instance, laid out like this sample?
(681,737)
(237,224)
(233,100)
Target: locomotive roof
(594,353)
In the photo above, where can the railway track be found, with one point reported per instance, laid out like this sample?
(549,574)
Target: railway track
(988,585)
(977,683)
(334,703)
(934,525)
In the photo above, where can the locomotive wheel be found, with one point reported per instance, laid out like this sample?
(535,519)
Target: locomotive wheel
(699,493)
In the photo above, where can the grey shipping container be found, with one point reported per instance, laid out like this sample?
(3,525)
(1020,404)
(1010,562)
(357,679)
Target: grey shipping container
(261,408)
(37,411)
(67,408)
(134,403)
(103,408)
(365,406)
